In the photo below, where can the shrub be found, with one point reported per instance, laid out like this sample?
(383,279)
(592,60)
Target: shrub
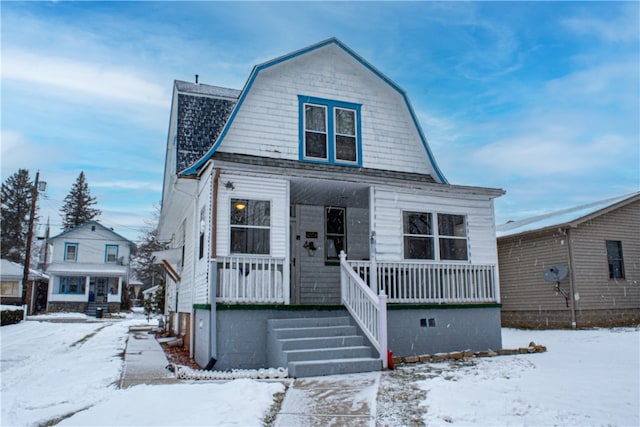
(10,317)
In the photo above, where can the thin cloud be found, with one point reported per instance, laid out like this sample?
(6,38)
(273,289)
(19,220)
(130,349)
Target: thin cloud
(555,151)
(623,28)
(128,185)
(94,79)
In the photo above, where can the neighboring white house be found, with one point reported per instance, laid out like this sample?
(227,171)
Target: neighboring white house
(11,286)
(89,269)
(319,154)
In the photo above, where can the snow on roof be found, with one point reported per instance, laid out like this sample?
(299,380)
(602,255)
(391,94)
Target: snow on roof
(204,89)
(88,268)
(558,218)
(11,270)
(92,222)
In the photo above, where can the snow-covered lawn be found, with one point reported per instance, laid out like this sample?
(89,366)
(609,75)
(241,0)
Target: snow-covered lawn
(586,378)
(68,373)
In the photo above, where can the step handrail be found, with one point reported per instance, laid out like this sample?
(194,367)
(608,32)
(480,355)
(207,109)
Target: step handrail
(367,309)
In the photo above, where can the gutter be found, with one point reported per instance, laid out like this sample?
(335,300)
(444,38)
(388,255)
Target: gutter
(572,301)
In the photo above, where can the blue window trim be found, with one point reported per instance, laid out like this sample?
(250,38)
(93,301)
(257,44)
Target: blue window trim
(66,245)
(106,253)
(331,106)
(64,282)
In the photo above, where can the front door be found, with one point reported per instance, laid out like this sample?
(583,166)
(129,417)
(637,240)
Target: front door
(98,290)
(294,256)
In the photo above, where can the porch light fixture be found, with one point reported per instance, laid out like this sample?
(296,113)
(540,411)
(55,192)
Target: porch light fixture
(229,186)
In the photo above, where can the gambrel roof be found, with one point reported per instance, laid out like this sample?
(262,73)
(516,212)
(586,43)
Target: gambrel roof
(571,217)
(194,167)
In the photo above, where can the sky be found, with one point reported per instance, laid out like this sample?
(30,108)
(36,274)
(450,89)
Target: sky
(540,99)
(585,378)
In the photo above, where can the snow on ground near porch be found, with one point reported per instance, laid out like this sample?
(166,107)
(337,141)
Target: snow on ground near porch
(53,370)
(586,378)
(50,370)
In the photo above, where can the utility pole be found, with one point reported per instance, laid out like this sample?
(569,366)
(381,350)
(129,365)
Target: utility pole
(32,217)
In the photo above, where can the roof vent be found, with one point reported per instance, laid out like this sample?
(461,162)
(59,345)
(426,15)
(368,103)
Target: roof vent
(196,79)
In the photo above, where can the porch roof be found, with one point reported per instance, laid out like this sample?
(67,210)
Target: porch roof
(364,176)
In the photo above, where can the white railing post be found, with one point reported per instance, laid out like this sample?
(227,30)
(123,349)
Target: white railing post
(382,329)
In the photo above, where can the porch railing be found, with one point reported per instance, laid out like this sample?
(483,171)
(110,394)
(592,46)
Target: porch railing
(420,282)
(368,309)
(250,280)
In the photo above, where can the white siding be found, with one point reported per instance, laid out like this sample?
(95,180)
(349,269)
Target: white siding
(185,287)
(91,245)
(202,264)
(267,123)
(357,233)
(258,188)
(389,204)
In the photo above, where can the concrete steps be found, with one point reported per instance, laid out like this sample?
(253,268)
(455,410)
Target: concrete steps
(319,346)
(92,308)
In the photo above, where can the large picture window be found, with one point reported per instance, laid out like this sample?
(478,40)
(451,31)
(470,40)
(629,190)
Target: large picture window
(335,233)
(615,260)
(446,239)
(10,289)
(330,131)
(70,251)
(250,226)
(72,285)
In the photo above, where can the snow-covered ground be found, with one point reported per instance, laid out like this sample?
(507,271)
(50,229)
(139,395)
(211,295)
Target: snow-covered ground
(586,378)
(68,373)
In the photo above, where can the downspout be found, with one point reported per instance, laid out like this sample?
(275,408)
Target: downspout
(572,291)
(213,266)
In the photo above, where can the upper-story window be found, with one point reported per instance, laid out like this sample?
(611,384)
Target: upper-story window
(111,253)
(70,251)
(424,239)
(330,131)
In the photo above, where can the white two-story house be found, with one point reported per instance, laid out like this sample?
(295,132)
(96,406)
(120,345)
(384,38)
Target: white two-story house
(310,227)
(89,269)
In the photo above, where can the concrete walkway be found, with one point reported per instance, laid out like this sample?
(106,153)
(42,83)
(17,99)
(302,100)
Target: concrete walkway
(337,400)
(144,360)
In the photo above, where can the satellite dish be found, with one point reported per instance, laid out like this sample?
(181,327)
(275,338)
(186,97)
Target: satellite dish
(555,273)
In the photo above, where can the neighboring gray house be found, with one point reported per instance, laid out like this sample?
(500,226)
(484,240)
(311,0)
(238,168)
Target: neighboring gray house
(89,269)
(598,244)
(319,154)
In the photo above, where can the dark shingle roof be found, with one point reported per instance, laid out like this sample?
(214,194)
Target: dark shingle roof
(203,111)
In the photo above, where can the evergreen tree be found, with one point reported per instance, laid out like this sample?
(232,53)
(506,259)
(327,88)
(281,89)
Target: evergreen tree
(78,205)
(17,192)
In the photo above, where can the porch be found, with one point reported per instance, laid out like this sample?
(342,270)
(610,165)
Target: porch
(261,280)
(421,287)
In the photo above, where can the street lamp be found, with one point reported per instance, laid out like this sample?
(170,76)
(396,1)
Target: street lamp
(38,186)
